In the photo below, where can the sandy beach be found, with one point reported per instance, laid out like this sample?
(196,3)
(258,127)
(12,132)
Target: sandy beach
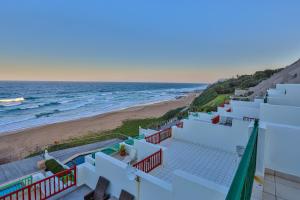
(19,144)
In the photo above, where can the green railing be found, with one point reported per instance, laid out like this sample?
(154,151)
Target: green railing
(241,186)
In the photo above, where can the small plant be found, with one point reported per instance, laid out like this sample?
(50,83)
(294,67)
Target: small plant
(53,166)
(122,150)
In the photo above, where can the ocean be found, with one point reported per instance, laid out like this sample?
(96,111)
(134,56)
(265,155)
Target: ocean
(30,104)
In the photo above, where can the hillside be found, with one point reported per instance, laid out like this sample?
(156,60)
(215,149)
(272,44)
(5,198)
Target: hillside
(290,74)
(257,84)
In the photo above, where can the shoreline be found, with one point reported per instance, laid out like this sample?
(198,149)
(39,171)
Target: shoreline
(18,144)
(92,116)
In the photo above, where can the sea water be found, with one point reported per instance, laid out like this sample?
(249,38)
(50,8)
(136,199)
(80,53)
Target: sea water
(30,104)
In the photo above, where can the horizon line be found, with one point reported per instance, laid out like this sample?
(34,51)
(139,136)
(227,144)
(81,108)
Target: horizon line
(81,81)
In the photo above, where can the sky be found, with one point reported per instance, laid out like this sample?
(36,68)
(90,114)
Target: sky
(145,41)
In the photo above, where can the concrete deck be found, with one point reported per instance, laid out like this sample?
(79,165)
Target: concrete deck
(17,169)
(63,155)
(280,187)
(206,162)
(77,194)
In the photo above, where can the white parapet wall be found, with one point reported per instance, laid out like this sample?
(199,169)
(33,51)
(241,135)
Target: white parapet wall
(275,92)
(110,168)
(285,94)
(145,186)
(282,148)
(292,90)
(280,114)
(206,117)
(146,132)
(151,187)
(284,100)
(253,104)
(144,148)
(214,135)
(186,185)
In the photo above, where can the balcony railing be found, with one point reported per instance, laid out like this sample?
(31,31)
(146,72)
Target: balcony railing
(149,163)
(216,119)
(159,136)
(241,186)
(45,188)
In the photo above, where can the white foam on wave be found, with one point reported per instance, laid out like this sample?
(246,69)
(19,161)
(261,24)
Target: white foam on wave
(11,102)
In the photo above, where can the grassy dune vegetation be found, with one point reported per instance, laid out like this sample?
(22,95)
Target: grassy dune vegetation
(218,92)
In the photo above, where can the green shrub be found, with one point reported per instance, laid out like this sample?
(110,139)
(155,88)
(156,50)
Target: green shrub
(53,166)
(227,87)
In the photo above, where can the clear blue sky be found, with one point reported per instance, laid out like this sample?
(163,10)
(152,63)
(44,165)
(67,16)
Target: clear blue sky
(173,41)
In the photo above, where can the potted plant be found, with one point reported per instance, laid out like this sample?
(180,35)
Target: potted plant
(122,150)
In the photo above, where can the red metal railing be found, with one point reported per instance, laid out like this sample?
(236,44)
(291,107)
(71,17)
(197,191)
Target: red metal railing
(159,136)
(150,162)
(45,188)
(216,119)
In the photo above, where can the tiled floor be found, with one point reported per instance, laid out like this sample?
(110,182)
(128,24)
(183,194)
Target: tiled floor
(206,162)
(77,194)
(280,188)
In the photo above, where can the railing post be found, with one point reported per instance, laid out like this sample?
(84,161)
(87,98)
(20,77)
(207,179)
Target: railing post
(159,137)
(29,192)
(75,175)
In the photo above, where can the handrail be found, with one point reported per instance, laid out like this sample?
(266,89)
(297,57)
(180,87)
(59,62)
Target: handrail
(159,136)
(216,119)
(150,162)
(241,186)
(45,188)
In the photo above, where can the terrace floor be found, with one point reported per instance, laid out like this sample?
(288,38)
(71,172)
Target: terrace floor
(278,186)
(206,162)
(77,194)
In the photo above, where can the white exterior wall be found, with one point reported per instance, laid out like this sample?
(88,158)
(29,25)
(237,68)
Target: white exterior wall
(146,132)
(214,135)
(86,174)
(240,112)
(147,187)
(186,185)
(110,168)
(285,94)
(222,110)
(240,109)
(153,188)
(253,104)
(282,149)
(292,90)
(280,114)
(144,148)
(275,92)
(284,100)
(201,116)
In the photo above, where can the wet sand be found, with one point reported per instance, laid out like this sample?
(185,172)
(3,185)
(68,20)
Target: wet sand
(19,144)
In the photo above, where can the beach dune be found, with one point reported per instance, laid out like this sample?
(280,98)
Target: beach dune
(19,144)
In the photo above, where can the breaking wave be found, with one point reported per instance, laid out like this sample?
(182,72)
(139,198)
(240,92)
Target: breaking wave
(47,114)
